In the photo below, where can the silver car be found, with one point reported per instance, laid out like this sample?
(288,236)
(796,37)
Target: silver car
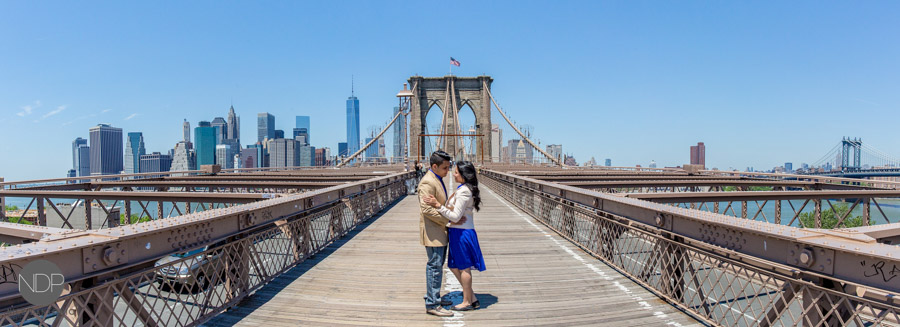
(193,274)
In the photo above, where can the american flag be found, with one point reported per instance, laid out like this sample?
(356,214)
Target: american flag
(454,62)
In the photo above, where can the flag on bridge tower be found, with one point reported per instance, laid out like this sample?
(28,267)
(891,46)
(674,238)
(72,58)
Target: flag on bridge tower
(454,62)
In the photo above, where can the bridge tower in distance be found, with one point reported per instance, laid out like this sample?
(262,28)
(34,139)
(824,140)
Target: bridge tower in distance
(449,92)
(849,145)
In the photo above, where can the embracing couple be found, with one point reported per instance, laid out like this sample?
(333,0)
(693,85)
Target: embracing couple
(446,222)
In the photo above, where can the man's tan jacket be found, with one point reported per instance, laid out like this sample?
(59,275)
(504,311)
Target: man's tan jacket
(432,226)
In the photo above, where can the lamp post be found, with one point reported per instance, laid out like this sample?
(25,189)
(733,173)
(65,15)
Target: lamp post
(404,96)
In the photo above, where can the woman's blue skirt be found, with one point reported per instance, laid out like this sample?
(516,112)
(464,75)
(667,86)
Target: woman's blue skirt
(464,250)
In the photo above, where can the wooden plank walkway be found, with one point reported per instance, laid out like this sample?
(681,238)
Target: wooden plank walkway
(375,277)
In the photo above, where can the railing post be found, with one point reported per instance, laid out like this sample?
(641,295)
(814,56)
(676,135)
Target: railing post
(128,212)
(866,211)
(87,213)
(818,213)
(112,218)
(777,212)
(41,214)
(2,203)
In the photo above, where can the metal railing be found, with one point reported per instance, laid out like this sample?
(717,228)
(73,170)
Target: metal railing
(711,277)
(224,255)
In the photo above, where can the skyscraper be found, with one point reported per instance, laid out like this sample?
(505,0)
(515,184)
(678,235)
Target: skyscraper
(265,126)
(205,144)
(187,131)
(106,150)
(372,150)
(608,162)
(555,150)
(221,127)
(400,139)
(75,144)
(520,151)
(352,124)
(184,157)
(233,129)
(301,135)
(698,154)
(306,155)
(134,149)
(342,149)
(788,167)
(155,162)
(303,123)
(282,153)
(225,155)
(496,142)
(83,160)
(248,157)
(279,134)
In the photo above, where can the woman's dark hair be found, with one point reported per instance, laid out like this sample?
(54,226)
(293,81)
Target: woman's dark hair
(470,175)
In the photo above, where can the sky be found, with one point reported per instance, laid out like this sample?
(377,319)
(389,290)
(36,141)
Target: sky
(760,83)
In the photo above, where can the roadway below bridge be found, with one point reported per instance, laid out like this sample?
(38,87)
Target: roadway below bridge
(375,276)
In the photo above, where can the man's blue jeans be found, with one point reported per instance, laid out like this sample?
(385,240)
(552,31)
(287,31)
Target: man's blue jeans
(434,273)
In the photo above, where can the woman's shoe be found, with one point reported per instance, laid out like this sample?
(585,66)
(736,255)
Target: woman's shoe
(476,305)
(465,308)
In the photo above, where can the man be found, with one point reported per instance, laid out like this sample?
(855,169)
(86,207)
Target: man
(433,232)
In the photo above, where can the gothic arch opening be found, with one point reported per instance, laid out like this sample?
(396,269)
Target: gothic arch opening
(433,120)
(468,149)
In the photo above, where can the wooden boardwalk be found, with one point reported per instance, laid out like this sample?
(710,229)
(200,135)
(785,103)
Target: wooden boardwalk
(375,276)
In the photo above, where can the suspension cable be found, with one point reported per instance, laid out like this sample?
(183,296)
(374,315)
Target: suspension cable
(554,160)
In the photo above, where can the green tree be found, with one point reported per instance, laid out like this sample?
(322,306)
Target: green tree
(19,220)
(830,218)
(752,188)
(12,208)
(134,219)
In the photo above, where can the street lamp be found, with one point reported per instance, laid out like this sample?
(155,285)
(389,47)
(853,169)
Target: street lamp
(404,96)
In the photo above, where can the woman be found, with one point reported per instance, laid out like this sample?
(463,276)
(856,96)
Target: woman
(465,254)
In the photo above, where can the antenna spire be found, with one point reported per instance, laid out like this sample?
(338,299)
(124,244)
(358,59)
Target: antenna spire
(351,86)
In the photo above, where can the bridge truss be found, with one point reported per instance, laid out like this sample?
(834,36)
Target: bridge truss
(727,270)
(231,240)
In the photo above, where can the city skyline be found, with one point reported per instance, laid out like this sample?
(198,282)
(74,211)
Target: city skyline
(626,73)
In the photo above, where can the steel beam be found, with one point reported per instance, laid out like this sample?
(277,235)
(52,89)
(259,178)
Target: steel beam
(149,241)
(852,257)
(686,197)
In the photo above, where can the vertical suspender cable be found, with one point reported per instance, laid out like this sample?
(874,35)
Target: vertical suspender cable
(552,159)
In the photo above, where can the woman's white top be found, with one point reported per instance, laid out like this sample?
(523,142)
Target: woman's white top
(462,204)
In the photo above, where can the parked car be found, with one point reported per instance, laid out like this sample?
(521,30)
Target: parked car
(193,274)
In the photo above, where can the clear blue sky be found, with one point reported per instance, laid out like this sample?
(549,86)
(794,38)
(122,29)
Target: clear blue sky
(759,83)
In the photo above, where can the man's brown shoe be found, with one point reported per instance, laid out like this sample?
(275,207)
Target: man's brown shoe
(439,311)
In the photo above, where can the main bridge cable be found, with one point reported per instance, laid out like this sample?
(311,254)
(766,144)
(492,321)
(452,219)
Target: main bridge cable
(554,160)
(399,112)
(879,154)
(828,156)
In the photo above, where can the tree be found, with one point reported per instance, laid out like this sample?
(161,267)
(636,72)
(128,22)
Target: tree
(12,208)
(752,188)
(134,219)
(830,218)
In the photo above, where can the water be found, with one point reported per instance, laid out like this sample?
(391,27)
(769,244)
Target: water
(890,207)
